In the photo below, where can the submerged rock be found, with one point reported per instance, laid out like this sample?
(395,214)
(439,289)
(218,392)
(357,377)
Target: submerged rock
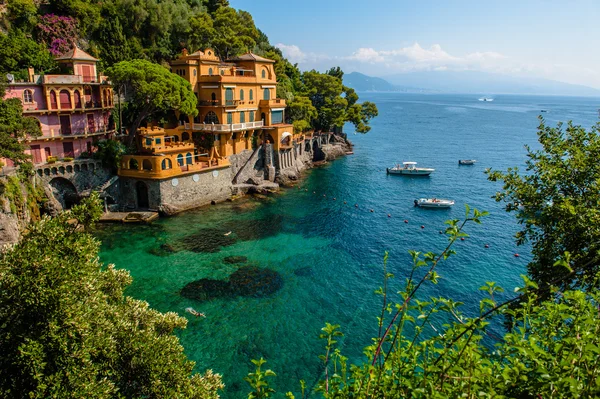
(235,259)
(304,271)
(163,250)
(206,289)
(206,240)
(248,281)
(255,282)
(256,229)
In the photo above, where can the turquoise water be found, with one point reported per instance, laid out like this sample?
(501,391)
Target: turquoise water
(329,253)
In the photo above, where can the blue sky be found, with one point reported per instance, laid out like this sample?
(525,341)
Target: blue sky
(554,39)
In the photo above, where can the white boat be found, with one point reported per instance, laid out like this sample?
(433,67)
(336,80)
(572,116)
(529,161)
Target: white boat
(487,99)
(409,169)
(433,203)
(467,161)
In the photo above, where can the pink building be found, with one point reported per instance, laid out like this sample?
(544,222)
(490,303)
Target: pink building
(73,109)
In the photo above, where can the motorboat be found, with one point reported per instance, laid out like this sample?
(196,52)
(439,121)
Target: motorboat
(486,99)
(433,203)
(409,169)
(467,161)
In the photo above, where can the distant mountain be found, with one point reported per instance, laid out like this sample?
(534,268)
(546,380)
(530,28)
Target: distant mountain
(488,83)
(360,82)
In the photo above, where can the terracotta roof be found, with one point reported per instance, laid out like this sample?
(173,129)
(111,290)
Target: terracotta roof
(76,54)
(250,57)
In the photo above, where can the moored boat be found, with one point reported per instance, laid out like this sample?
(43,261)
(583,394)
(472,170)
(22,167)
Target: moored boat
(409,169)
(467,161)
(433,203)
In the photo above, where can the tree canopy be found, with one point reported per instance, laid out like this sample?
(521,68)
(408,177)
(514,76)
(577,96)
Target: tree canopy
(556,201)
(152,88)
(13,127)
(69,331)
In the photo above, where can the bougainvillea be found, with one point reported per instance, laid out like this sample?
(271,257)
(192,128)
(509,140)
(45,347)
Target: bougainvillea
(57,32)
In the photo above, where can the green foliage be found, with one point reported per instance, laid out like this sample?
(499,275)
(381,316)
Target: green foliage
(302,113)
(556,202)
(68,330)
(110,152)
(152,88)
(19,51)
(235,32)
(258,381)
(14,126)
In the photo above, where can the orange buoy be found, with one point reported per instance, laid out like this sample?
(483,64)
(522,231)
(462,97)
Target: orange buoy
(487,245)
(517,255)
(462,238)
(405,221)
(422,226)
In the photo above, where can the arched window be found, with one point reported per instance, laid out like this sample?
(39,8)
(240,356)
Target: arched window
(133,163)
(211,117)
(65,99)
(77,99)
(228,96)
(242,117)
(166,164)
(53,102)
(241,95)
(180,160)
(251,95)
(213,97)
(210,71)
(194,72)
(251,117)
(27,96)
(222,72)
(266,94)
(264,74)
(87,96)
(189,159)
(185,136)
(146,164)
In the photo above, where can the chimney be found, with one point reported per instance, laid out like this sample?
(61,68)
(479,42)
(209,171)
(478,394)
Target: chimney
(184,52)
(31,74)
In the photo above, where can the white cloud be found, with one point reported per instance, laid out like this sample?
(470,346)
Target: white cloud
(412,58)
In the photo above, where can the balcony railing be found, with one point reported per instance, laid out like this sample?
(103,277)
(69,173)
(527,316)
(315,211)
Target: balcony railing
(224,128)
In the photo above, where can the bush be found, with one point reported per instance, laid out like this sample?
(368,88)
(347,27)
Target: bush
(67,159)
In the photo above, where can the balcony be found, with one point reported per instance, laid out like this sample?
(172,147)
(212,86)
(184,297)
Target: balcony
(275,103)
(224,128)
(63,79)
(73,134)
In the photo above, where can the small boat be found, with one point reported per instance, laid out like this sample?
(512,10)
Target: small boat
(409,169)
(543,110)
(486,99)
(467,161)
(433,203)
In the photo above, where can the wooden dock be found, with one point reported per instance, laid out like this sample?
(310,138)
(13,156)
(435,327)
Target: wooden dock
(128,217)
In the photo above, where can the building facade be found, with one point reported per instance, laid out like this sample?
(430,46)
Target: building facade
(73,109)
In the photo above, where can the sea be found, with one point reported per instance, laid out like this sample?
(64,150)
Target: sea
(274,269)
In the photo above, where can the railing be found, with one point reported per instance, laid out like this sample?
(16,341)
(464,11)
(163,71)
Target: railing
(233,127)
(209,103)
(231,103)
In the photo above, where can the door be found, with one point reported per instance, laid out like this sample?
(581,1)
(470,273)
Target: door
(142,194)
(36,154)
(91,123)
(267,94)
(68,150)
(65,125)
(87,73)
(48,152)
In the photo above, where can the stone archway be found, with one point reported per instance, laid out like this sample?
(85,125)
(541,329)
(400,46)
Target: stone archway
(65,192)
(141,190)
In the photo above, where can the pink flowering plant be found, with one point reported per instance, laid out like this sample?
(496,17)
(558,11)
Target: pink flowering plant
(54,30)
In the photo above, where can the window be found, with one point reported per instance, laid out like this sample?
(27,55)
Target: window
(146,164)
(166,164)
(264,74)
(133,163)
(276,117)
(148,141)
(210,71)
(180,160)
(229,118)
(241,95)
(211,117)
(27,96)
(242,117)
(194,72)
(158,141)
(251,118)
(222,72)
(185,136)
(213,97)
(267,94)
(189,159)
(251,95)
(234,136)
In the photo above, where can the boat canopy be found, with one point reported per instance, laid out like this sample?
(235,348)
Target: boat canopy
(409,163)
